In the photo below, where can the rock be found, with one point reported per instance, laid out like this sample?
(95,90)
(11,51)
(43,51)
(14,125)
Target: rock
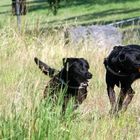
(95,35)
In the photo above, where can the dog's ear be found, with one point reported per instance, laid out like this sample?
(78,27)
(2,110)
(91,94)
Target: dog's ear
(68,61)
(118,47)
(44,67)
(64,61)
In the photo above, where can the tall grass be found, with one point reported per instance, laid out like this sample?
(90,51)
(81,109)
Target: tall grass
(23,113)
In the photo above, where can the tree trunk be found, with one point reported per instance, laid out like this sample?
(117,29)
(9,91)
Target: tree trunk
(22,7)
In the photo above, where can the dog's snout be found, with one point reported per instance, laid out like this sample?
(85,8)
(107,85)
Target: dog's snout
(88,75)
(122,57)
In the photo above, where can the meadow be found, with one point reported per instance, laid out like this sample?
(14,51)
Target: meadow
(23,114)
(72,12)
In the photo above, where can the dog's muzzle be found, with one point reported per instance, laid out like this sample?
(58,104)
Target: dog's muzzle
(88,75)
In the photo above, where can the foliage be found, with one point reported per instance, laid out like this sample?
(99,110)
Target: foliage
(23,113)
(84,13)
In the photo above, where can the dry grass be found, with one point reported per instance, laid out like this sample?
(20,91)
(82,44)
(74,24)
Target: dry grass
(22,84)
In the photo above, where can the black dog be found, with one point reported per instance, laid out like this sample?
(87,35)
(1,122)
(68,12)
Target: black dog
(122,69)
(73,76)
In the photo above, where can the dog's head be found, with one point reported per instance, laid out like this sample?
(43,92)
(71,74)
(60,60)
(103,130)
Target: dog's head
(126,57)
(77,68)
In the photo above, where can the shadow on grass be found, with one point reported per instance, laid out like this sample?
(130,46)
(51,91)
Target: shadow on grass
(71,3)
(95,15)
(37,5)
(31,6)
(43,4)
(5,12)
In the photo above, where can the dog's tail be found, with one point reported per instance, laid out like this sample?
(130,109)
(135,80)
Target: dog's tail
(45,68)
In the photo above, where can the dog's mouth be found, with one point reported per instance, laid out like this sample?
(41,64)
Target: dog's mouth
(82,80)
(86,76)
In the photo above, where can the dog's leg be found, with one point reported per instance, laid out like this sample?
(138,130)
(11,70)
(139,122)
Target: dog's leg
(111,81)
(120,99)
(130,94)
(112,98)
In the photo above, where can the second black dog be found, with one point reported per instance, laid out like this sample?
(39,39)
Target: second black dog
(122,69)
(74,76)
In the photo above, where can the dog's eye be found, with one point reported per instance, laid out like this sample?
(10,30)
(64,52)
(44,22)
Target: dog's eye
(87,67)
(81,64)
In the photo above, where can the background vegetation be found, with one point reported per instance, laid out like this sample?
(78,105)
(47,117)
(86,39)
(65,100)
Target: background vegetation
(73,12)
(22,113)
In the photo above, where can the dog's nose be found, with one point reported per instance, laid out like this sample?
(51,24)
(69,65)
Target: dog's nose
(122,57)
(88,75)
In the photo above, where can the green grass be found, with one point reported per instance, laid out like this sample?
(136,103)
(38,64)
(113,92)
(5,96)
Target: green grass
(23,113)
(84,12)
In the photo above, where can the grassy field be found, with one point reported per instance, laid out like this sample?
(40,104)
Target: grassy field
(75,12)
(22,113)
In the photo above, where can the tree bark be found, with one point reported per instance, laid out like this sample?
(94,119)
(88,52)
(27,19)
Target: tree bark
(22,7)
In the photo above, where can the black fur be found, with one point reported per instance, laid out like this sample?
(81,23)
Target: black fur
(74,75)
(122,69)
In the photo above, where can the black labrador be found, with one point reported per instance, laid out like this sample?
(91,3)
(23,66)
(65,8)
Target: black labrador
(122,69)
(74,76)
